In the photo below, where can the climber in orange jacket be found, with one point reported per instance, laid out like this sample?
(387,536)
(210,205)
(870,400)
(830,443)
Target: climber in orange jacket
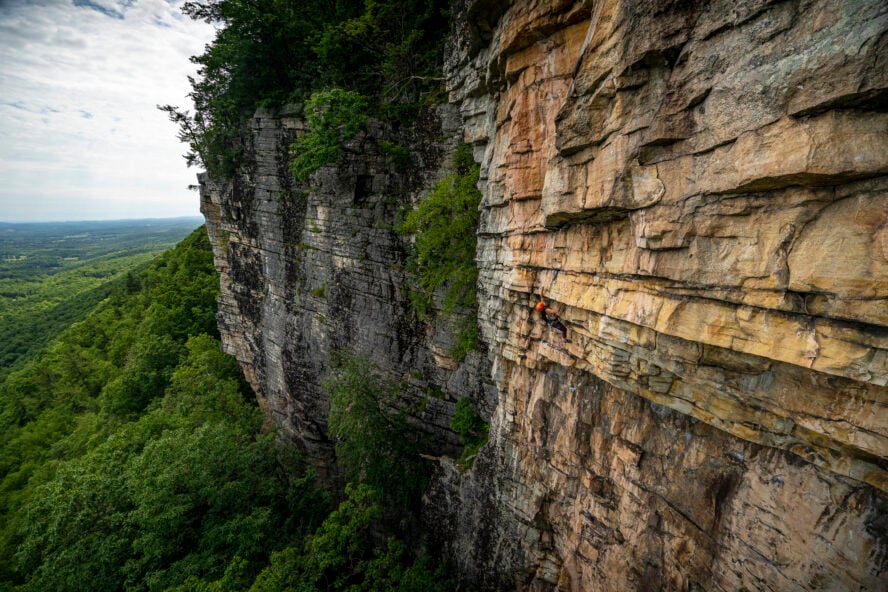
(551,318)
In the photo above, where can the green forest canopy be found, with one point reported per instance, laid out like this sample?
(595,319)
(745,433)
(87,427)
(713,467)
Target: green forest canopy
(132,456)
(53,273)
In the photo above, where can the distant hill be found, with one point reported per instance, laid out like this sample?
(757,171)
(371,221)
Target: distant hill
(53,273)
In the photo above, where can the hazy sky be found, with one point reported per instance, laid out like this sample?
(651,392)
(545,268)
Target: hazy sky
(80,135)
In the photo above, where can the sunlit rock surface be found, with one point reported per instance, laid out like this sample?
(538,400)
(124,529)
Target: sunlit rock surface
(703,189)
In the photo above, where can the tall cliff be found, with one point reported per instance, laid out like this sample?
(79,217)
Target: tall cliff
(702,188)
(310,269)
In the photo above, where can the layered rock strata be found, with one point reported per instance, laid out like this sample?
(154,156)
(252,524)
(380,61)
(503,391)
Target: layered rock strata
(703,189)
(308,270)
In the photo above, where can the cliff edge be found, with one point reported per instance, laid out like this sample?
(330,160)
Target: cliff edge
(702,189)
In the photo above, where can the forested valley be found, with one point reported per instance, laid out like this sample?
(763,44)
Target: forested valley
(53,273)
(133,456)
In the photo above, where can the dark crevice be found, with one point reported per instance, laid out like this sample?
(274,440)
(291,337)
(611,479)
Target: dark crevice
(874,100)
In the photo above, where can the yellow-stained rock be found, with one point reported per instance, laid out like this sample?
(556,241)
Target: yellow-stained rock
(702,189)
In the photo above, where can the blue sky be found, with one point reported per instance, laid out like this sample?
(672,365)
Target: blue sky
(80,135)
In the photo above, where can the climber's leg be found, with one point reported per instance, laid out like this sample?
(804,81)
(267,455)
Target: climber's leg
(560,326)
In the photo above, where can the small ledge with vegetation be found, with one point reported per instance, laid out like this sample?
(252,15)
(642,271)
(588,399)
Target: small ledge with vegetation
(473,432)
(445,228)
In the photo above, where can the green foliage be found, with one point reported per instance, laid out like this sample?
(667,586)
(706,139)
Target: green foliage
(131,458)
(343,555)
(331,551)
(466,422)
(388,571)
(207,385)
(320,291)
(334,116)
(147,371)
(103,366)
(373,440)
(445,226)
(75,537)
(472,430)
(378,450)
(269,52)
(466,338)
(396,154)
(258,55)
(391,49)
(129,455)
(167,497)
(53,274)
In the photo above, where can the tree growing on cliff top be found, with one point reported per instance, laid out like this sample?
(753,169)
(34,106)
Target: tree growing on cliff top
(270,52)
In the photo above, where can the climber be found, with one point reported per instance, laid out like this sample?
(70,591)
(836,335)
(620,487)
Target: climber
(550,317)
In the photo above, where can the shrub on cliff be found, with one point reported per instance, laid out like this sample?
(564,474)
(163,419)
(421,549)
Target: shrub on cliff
(473,431)
(334,117)
(374,443)
(269,52)
(445,225)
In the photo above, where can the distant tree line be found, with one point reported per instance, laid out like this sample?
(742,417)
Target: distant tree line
(53,274)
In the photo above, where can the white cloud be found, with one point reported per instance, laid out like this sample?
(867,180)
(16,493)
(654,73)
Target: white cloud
(78,119)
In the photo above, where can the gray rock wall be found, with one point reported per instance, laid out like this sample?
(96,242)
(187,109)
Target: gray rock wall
(701,187)
(310,269)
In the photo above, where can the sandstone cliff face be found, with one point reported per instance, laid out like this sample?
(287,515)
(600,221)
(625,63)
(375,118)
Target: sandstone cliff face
(703,188)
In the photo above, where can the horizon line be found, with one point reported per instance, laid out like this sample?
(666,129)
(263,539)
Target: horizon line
(70,221)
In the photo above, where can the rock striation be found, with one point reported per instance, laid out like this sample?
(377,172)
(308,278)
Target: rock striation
(310,270)
(702,188)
